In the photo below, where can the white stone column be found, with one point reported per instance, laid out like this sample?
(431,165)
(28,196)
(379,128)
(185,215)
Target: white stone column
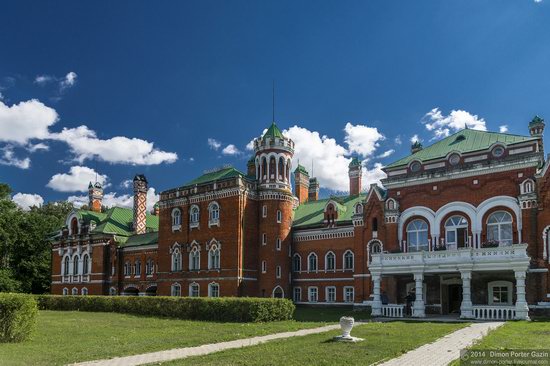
(545,247)
(376,307)
(276,168)
(419,306)
(522,310)
(466,305)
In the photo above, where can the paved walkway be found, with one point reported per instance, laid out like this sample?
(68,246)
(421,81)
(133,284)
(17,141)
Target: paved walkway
(445,349)
(179,353)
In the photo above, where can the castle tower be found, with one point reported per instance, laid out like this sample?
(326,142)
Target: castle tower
(273,159)
(95,196)
(301,183)
(313,192)
(140,204)
(355,172)
(536,126)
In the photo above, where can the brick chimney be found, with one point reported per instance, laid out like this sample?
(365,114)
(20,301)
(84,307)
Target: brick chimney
(313,192)
(355,172)
(301,183)
(140,204)
(95,196)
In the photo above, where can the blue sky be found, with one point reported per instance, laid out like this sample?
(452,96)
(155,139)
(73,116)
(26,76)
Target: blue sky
(140,87)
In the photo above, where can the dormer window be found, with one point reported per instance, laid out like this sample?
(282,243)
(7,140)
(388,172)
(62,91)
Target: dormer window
(415,167)
(331,214)
(74,226)
(358,208)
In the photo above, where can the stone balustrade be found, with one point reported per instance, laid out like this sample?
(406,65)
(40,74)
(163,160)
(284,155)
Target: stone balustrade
(494,312)
(393,310)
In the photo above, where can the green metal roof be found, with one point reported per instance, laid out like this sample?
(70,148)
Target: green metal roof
(273,131)
(354,162)
(142,239)
(119,221)
(88,216)
(536,120)
(463,141)
(313,213)
(217,175)
(301,169)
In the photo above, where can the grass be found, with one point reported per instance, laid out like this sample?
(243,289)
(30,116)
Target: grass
(383,341)
(67,336)
(327,313)
(518,335)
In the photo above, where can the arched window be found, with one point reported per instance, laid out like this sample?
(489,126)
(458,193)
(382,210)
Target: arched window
(194,216)
(75,265)
(374,248)
(213,213)
(278,272)
(417,235)
(348,260)
(278,244)
(264,168)
(358,208)
(374,224)
(281,170)
(137,268)
(272,167)
(312,262)
(74,226)
(296,263)
(264,266)
(65,291)
(175,290)
(74,291)
(279,216)
(194,260)
(85,264)
(176,260)
(278,292)
(127,269)
(176,218)
(499,228)
(528,186)
(330,261)
(66,265)
(214,257)
(330,215)
(214,290)
(194,290)
(456,232)
(84,291)
(150,267)
(391,204)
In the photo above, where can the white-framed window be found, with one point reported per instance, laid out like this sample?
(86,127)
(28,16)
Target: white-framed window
(278,244)
(278,272)
(137,267)
(417,235)
(74,291)
(194,216)
(214,257)
(84,291)
(330,262)
(348,260)
(279,216)
(500,292)
(176,219)
(499,227)
(66,266)
(297,294)
(374,248)
(528,186)
(296,263)
(264,239)
(312,294)
(264,266)
(391,204)
(213,214)
(194,259)
(75,265)
(175,289)
(358,209)
(85,264)
(312,262)
(330,294)
(127,269)
(112,291)
(194,290)
(176,260)
(213,290)
(264,211)
(349,293)
(150,267)
(65,291)
(456,232)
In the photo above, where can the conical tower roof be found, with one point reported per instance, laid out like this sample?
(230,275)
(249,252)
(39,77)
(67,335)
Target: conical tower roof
(273,131)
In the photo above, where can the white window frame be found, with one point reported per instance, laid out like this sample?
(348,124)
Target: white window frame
(278,272)
(195,253)
(451,227)
(264,267)
(345,293)
(192,290)
(416,232)
(177,264)
(175,290)
(499,228)
(194,216)
(279,216)
(299,297)
(278,244)
(84,291)
(309,269)
(214,257)
(310,292)
(264,211)
(176,219)
(264,239)
(74,291)
(327,269)
(149,267)
(299,269)
(137,267)
(65,291)
(211,291)
(490,290)
(86,264)
(127,269)
(344,263)
(213,214)
(328,289)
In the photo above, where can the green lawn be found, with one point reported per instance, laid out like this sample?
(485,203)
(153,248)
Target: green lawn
(67,336)
(383,341)
(518,335)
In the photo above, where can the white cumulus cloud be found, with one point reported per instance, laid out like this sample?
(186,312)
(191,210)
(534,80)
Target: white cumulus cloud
(361,139)
(443,126)
(76,180)
(68,81)
(503,128)
(214,144)
(386,153)
(27,200)
(8,158)
(415,138)
(28,120)
(230,150)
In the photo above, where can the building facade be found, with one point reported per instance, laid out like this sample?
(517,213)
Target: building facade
(460,227)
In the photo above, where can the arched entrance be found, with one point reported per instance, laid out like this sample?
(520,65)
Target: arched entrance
(151,291)
(130,291)
(278,292)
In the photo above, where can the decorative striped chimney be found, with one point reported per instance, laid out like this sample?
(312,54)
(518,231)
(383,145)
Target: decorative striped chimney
(140,204)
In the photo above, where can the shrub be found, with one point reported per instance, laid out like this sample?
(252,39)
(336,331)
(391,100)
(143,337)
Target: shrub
(225,309)
(17,317)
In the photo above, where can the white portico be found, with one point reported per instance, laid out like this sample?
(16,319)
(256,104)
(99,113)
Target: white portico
(462,261)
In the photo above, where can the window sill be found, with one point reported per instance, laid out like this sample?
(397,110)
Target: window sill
(214,223)
(176,228)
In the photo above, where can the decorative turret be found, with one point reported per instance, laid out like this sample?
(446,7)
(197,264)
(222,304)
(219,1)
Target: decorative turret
(313,192)
(416,147)
(273,156)
(140,204)
(251,167)
(301,183)
(355,172)
(95,196)
(536,126)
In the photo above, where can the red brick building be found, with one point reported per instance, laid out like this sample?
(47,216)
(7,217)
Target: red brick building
(461,227)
